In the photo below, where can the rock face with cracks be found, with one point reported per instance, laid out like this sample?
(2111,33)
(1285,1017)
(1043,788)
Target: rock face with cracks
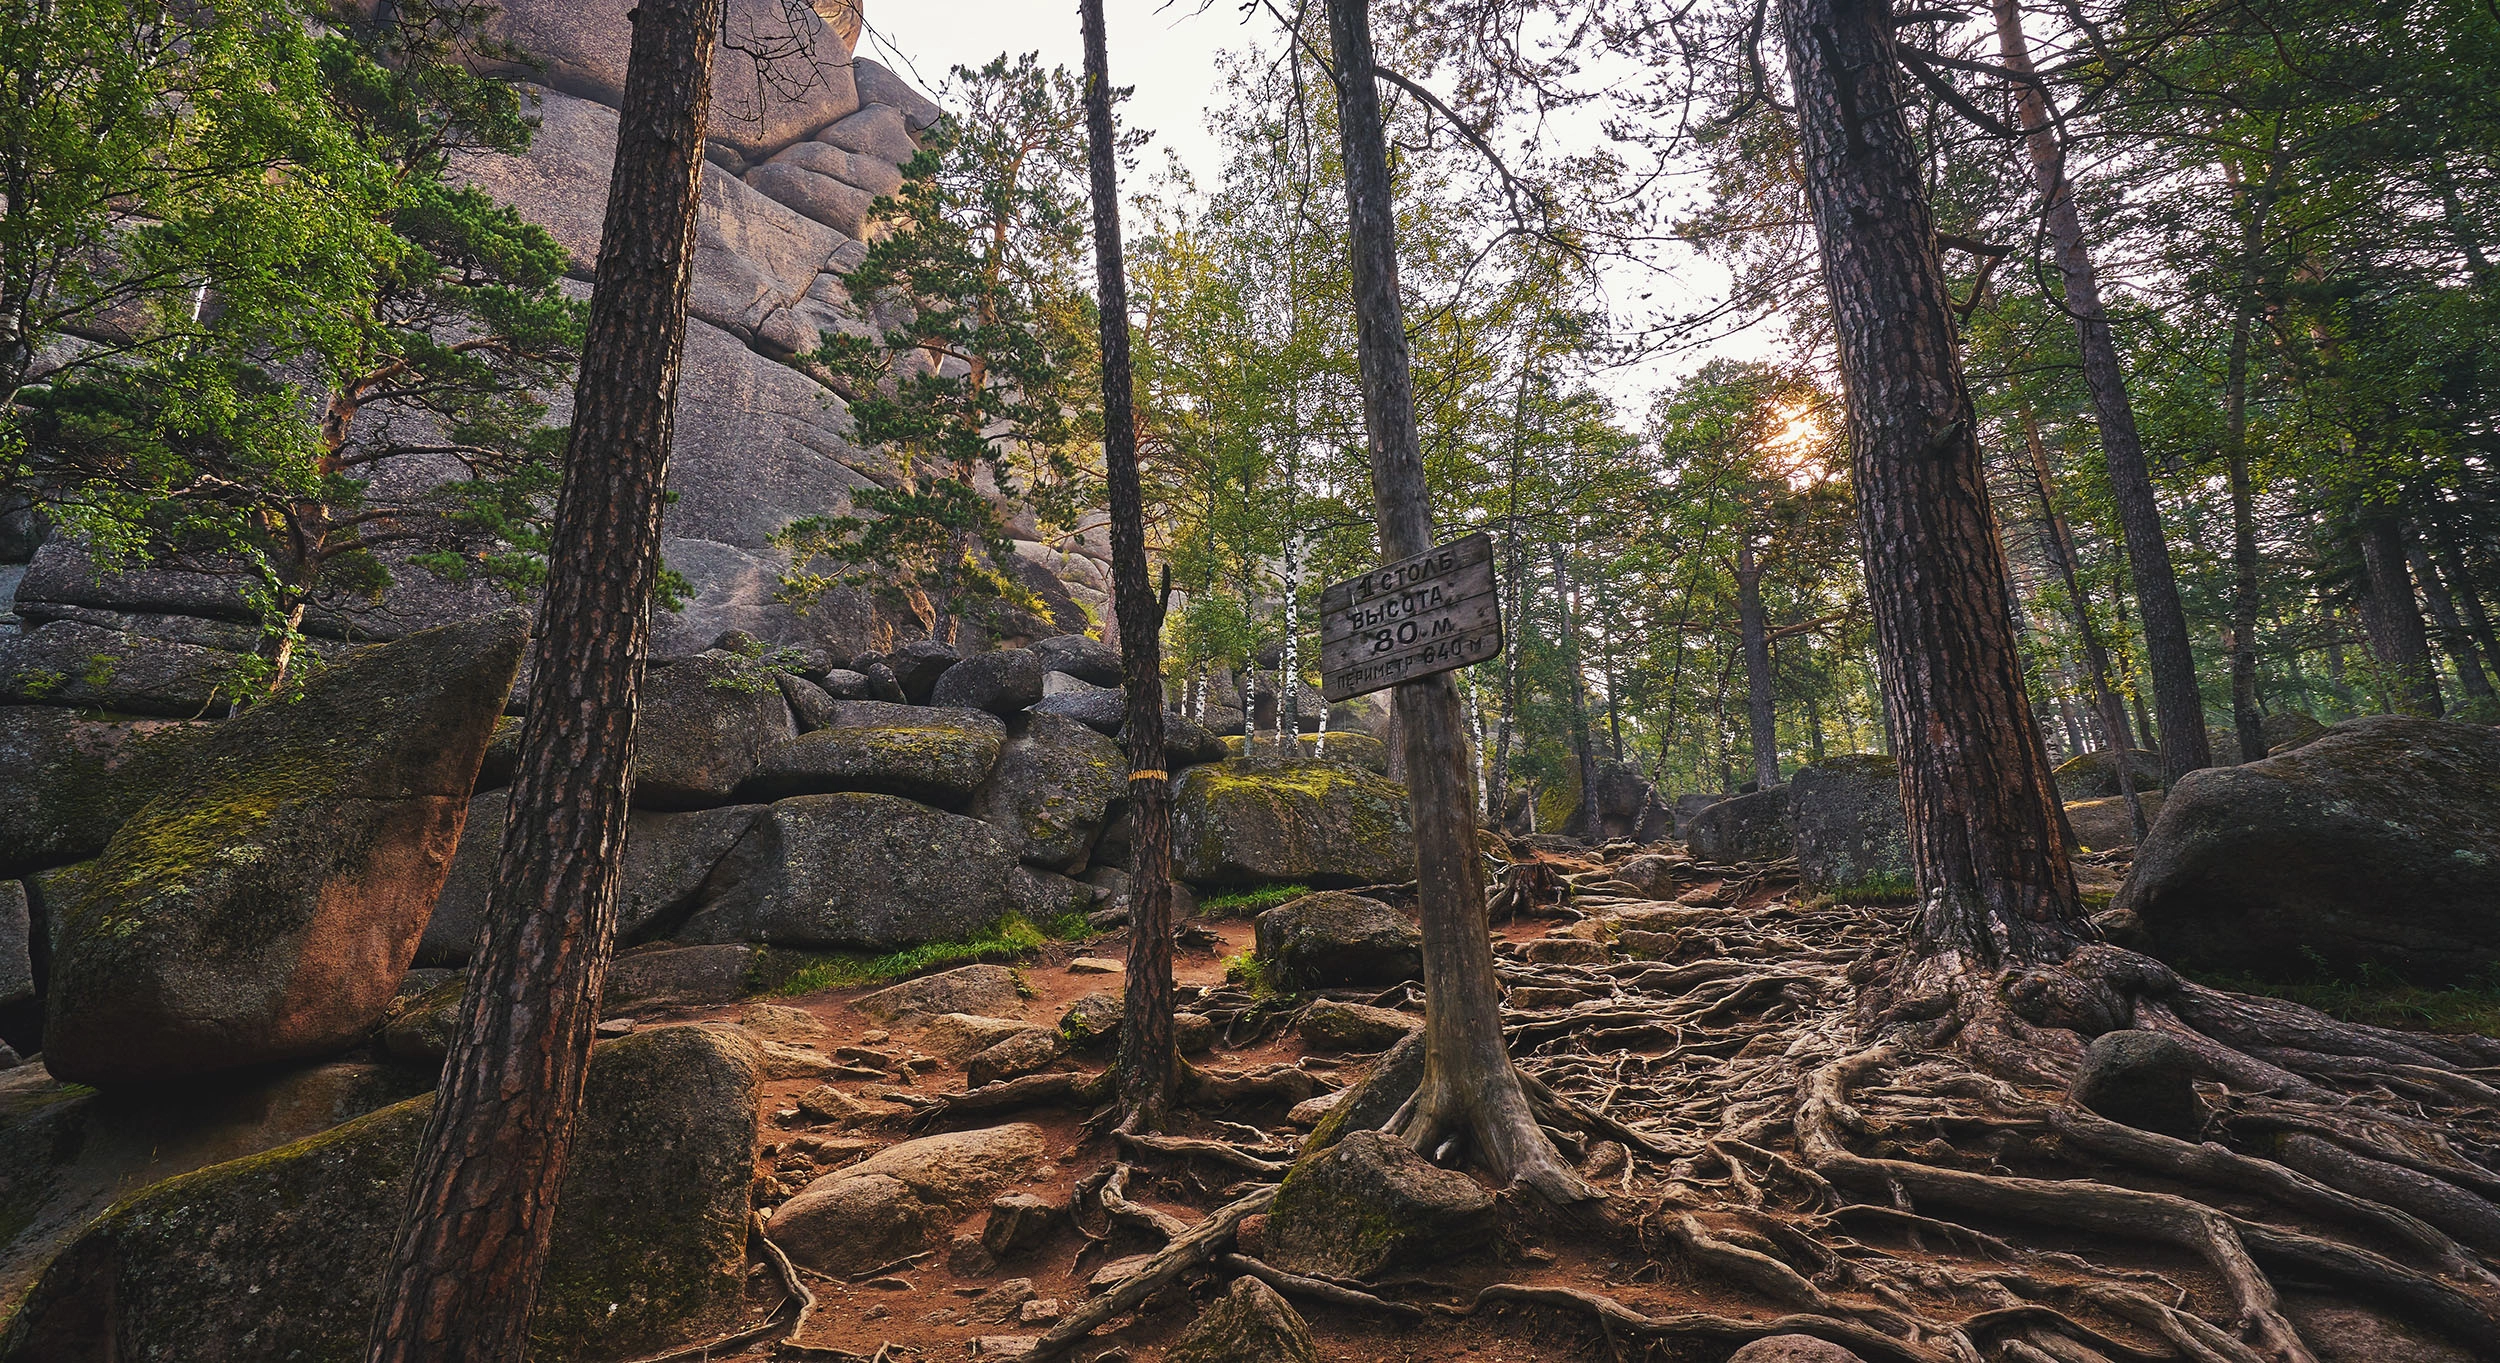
(277,1256)
(266,910)
(1367,1204)
(704,724)
(2376,844)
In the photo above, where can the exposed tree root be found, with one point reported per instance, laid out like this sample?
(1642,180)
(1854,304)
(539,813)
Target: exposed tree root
(1786,1090)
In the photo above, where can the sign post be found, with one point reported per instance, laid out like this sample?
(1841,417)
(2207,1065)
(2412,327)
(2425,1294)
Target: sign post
(1435,612)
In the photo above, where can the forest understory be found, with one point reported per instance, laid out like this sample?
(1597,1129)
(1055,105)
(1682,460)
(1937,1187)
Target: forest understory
(1773,1157)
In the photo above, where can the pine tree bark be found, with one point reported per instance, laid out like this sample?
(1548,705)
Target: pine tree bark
(2452,633)
(482,1200)
(2391,619)
(1983,817)
(2177,702)
(1469,1088)
(1762,718)
(1149,1060)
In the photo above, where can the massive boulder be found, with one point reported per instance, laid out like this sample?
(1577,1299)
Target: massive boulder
(279,1256)
(903,1198)
(705,725)
(2099,825)
(17,955)
(940,755)
(667,858)
(1750,827)
(1053,790)
(266,910)
(858,870)
(1002,682)
(917,665)
(2377,844)
(1334,938)
(67,781)
(2094,775)
(1851,837)
(67,1152)
(1086,659)
(1261,819)
(1369,1203)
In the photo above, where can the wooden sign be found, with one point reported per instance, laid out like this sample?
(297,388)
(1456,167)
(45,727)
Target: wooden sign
(1431,613)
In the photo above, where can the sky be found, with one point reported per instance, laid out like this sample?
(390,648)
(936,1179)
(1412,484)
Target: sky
(1166,49)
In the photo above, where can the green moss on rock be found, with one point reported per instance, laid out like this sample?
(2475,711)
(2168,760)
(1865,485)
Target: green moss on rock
(1251,820)
(277,1256)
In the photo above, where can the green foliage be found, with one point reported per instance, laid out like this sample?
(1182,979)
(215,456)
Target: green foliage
(1011,938)
(987,369)
(323,357)
(1247,970)
(1249,903)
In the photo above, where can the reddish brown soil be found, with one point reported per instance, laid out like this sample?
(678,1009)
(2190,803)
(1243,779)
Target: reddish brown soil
(919,1307)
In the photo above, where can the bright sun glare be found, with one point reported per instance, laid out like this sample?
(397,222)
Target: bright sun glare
(1795,446)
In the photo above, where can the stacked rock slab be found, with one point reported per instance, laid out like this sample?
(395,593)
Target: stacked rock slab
(265,910)
(279,1255)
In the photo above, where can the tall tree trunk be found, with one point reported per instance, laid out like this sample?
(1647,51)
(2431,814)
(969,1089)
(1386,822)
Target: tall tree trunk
(1985,841)
(2167,655)
(1764,722)
(1149,1059)
(482,1199)
(2061,546)
(1469,1088)
(2452,566)
(2452,633)
(2246,722)
(2390,617)
(1583,821)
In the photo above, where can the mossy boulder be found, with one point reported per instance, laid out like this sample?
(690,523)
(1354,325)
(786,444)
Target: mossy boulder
(266,909)
(2375,845)
(1750,827)
(919,752)
(2100,825)
(1345,747)
(1251,820)
(857,870)
(68,1152)
(1335,938)
(2094,775)
(1368,1204)
(1374,1097)
(1087,659)
(1251,1323)
(67,782)
(1850,834)
(278,1255)
(705,723)
(1053,790)
(667,857)
(76,662)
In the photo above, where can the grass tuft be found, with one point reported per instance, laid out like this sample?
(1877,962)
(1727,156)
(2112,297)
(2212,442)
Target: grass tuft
(2378,997)
(1010,938)
(1249,903)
